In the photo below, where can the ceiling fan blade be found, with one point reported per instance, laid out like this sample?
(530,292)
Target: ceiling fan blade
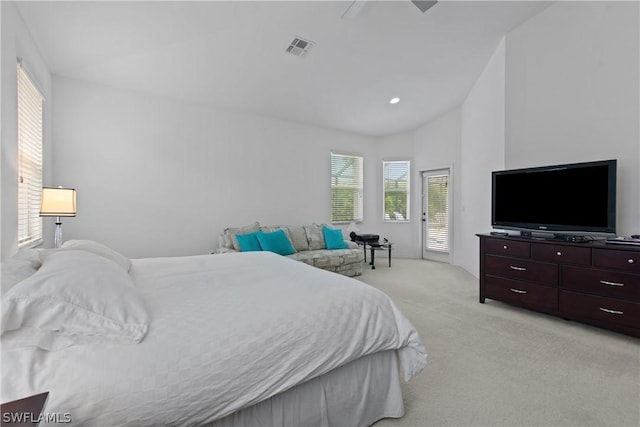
(424,5)
(354,9)
(356,6)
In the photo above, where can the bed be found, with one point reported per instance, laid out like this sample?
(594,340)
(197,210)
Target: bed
(222,340)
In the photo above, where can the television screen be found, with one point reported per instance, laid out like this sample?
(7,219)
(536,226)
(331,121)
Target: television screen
(575,198)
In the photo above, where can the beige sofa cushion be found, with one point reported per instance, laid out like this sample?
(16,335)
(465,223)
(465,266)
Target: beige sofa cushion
(315,237)
(298,237)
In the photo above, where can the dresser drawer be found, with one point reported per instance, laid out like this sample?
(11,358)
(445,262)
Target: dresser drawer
(522,269)
(600,309)
(515,292)
(560,253)
(624,260)
(507,247)
(611,284)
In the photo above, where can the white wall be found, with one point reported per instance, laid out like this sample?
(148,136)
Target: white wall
(158,177)
(16,42)
(396,147)
(572,93)
(562,87)
(435,145)
(482,151)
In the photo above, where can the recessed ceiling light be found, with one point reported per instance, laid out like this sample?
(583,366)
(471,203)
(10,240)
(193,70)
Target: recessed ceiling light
(394,100)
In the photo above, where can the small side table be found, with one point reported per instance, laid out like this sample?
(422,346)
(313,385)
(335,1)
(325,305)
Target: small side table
(379,247)
(24,412)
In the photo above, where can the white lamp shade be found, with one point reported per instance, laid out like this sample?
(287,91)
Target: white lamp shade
(58,201)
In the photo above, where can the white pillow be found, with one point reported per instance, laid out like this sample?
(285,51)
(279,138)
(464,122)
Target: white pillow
(76,297)
(99,249)
(18,267)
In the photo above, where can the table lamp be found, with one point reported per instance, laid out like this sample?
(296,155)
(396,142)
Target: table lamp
(58,202)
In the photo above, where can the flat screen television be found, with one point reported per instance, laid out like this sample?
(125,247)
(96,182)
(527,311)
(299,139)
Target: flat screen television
(574,199)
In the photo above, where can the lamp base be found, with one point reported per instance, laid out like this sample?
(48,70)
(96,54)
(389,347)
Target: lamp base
(57,237)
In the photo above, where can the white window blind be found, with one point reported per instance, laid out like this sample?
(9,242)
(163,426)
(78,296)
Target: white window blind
(346,188)
(438,212)
(396,190)
(29,160)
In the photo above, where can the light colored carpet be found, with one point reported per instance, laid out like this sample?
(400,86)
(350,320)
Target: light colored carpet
(496,365)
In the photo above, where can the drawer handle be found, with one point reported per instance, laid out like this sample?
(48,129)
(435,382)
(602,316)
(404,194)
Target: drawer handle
(606,282)
(513,267)
(559,253)
(518,291)
(505,247)
(630,261)
(606,310)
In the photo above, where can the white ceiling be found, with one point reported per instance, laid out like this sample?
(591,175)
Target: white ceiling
(232,54)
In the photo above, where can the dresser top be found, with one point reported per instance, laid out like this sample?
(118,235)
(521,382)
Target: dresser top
(596,243)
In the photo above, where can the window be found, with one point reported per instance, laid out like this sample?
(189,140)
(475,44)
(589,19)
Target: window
(346,188)
(396,190)
(29,160)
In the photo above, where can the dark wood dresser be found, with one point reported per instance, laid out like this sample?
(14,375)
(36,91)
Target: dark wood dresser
(24,412)
(592,282)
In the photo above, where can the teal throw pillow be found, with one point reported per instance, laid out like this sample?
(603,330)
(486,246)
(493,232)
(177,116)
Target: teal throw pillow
(249,242)
(276,241)
(333,238)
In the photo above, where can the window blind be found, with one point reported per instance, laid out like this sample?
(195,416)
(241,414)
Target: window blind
(396,190)
(346,188)
(438,212)
(30,102)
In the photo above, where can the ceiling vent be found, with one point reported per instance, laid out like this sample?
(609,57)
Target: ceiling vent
(300,46)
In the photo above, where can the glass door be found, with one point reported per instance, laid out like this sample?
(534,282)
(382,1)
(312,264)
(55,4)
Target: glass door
(436,200)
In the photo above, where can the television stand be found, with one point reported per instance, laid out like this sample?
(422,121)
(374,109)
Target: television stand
(592,282)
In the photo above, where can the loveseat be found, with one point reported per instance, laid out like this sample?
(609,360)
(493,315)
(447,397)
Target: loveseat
(308,244)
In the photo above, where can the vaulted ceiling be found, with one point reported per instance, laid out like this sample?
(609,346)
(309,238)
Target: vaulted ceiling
(233,54)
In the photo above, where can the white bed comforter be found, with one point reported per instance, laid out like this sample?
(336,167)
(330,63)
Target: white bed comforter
(226,332)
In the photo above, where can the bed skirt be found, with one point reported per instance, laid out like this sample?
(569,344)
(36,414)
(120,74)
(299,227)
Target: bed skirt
(356,394)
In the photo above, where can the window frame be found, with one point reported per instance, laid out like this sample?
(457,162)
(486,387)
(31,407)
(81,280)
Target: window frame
(357,186)
(30,151)
(407,216)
